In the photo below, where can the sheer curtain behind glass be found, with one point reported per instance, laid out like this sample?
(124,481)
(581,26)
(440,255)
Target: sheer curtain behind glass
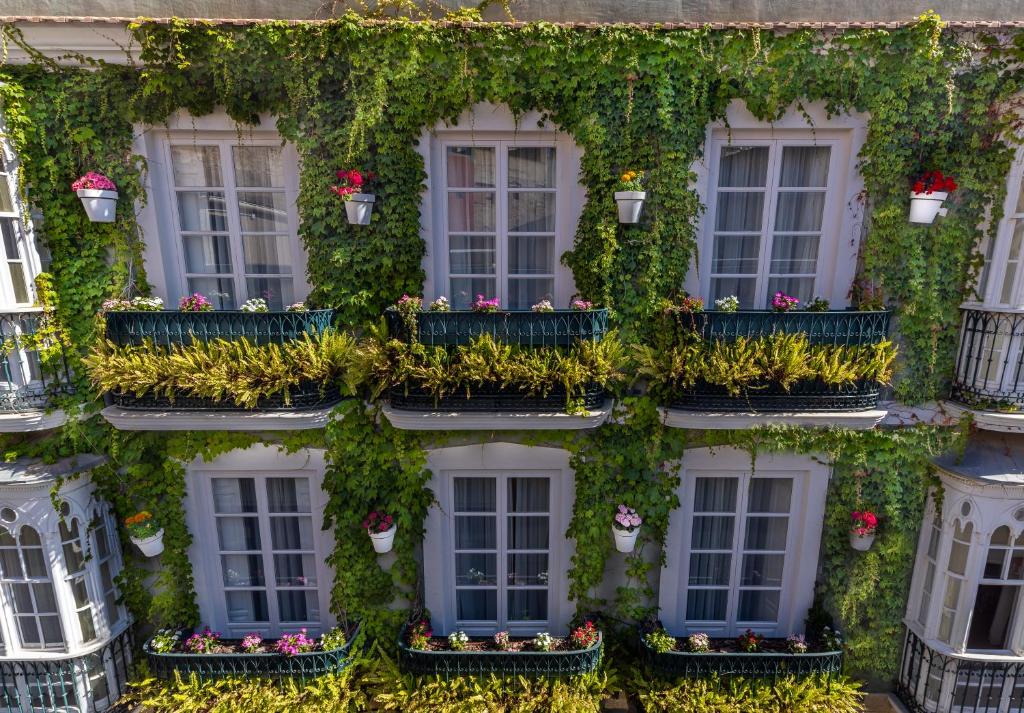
(476,549)
(25,573)
(531,225)
(739,217)
(240,544)
(472,222)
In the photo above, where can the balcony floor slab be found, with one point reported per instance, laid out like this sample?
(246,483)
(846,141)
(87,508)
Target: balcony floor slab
(27,421)
(709,420)
(168,420)
(495,420)
(1002,421)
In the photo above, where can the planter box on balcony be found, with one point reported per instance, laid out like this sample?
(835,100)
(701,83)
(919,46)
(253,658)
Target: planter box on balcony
(847,327)
(772,398)
(673,664)
(171,327)
(536,329)
(453,664)
(306,397)
(483,399)
(270,665)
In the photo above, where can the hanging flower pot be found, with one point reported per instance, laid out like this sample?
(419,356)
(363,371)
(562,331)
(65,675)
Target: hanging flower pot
(927,196)
(381,528)
(98,195)
(862,529)
(145,534)
(861,543)
(358,205)
(626,528)
(630,196)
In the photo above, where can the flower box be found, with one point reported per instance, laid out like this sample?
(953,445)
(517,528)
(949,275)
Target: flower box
(306,396)
(563,327)
(453,664)
(490,398)
(772,398)
(166,327)
(269,665)
(769,664)
(846,327)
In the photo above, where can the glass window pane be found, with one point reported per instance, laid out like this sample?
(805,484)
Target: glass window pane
(770,495)
(10,564)
(259,166)
(88,627)
(736,254)
(46,600)
(523,293)
(196,166)
(800,211)
(291,533)
(531,167)
(1001,536)
(531,212)
(475,532)
(994,563)
(298,605)
(712,532)
(758,605)
(220,290)
(715,495)
(22,595)
(762,570)
(528,605)
(277,291)
(207,254)
(958,557)
(800,287)
(471,254)
(11,235)
(476,604)
(528,570)
(476,569)
(245,606)
(295,570)
(52,633)
(709,569)
(242,570)
(706,604)
(6,204)
(29,631)
(79,591)
(35,565)
(238,534)
(531,254)
(267,254)
(202,212)
(740,287)
(465,289)
(19,284)
(28,537)
(743,166)
(470,167)
(805,166)
(475,494)
(795,254)
(263,212)
(739,212)
(528,532)
(471,212)
(1016,570)
(528,495)
(234,495)
(288,495)
(766,533)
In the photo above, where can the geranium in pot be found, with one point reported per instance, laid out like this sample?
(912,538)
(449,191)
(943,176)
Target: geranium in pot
(630,196)
(625,528)
(381,528)
(927,195)
(862,529)
(99,196)
(145,533)
(358,205)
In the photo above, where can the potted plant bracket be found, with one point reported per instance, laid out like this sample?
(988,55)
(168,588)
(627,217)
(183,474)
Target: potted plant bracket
(98,195)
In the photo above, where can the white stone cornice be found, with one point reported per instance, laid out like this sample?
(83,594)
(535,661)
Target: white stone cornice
(169,420)
(494,420)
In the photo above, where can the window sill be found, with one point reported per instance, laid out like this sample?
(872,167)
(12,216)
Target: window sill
(1002,421)
(170,420)
(452,420)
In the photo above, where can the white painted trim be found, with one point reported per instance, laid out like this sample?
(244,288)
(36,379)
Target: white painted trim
(710,420)
(26,421)
(494,421)
(161,420)
(810,475)
(496,457)
(987,420)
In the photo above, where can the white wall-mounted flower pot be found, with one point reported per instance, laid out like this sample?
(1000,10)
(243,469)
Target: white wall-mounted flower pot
(861,543)
(150,546)
(359,208)
(924,207)
(383,541)
(100,206)
(630,204)
(625,540)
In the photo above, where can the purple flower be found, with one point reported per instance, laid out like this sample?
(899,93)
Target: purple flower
(782,302)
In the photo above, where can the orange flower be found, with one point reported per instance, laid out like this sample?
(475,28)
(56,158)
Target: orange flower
(138,518)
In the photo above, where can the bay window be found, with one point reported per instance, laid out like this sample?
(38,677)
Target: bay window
(28,589)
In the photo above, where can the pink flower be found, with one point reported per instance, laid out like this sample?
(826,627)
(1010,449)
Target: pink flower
(93,181)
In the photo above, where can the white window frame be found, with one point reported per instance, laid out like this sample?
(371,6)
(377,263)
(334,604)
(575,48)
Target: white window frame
(492,125)
(807,511)
(61,593)
(996,248)
(259,462)
(23,224)
(502,460)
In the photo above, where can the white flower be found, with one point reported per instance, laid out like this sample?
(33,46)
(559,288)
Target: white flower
(544,641)
(727,304)
(257,304)
(148,304)
(543,306)
(297,307)
(441,304)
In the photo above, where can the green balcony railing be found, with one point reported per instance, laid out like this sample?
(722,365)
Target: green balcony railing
(307,396)
(536,329)
(170,327)
(300,667)
(454,664)
(772,665)
(772,398)
(33,367)
(839,327)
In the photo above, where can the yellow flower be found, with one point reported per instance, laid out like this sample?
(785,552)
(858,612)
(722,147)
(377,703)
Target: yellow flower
(625,176)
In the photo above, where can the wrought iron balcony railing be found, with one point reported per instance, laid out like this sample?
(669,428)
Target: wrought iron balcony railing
(934,682)
(990,361)
(840,327)
(773,665)
(168,327)
(90,682)
(33,364)
(562,327)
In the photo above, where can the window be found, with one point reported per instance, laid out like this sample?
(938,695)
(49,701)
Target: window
(102,530)
(931,558)
(236,228)
(25,575)
(998,593)
(771,205)
(500,225)
(15,276)
(501,535)
(266,552)
(999,283)
(75,573)
(955,571)
(737,550)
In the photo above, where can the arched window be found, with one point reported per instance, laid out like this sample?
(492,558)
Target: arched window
(76,575)
(956,568)
(104,552)
(25,577)
(998,594)
(931,566)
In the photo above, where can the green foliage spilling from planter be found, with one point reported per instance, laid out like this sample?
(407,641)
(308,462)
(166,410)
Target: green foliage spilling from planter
(711,695)
(439,371)
(237,371)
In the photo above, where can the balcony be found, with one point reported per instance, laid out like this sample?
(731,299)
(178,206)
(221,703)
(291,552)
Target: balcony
(561,328)
(934,682)
(34,370)
(811,400)
(775,664)
(304,403)
(989,375)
